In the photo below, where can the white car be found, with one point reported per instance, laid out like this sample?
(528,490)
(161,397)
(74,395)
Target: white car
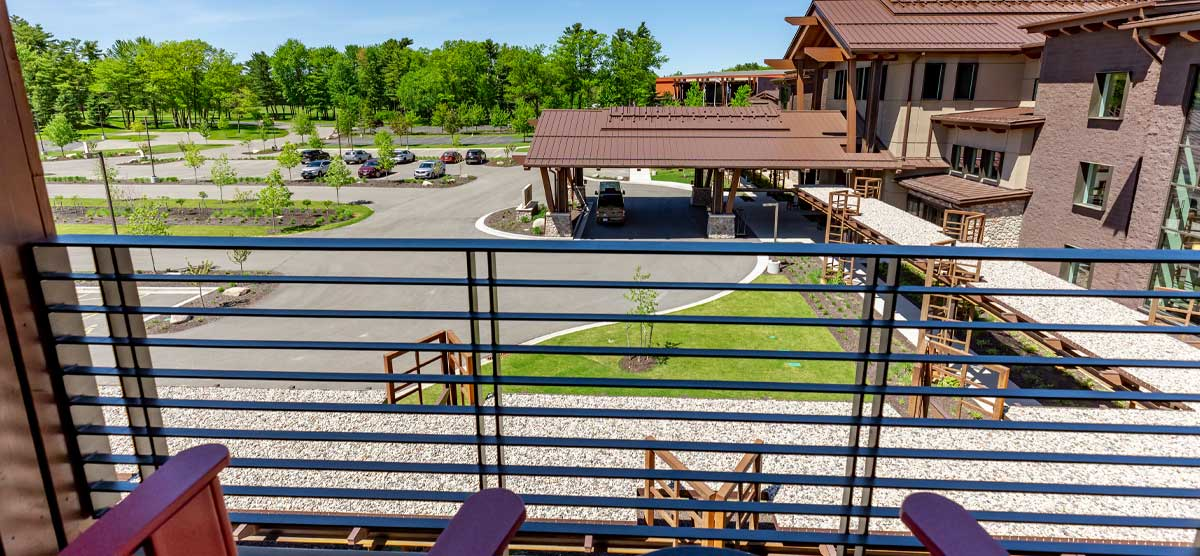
(404,157)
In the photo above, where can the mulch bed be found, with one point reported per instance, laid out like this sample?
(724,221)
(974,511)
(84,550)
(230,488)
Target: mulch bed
(639,364)
(162,324)
(508,220)
(440,183)
(306,217)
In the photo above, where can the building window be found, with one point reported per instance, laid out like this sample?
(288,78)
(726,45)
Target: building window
(993,165)
(839,85)
(1091,185)
(1108,95)
(862,85)
(925,211)
(1181,221)
(931,86)
(964,81)
(1078,273)
(984,163)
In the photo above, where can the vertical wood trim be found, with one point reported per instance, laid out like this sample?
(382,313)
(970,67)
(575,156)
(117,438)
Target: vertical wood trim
(733,188)
(851,107)
(549,191)
(818,91)
(873,104)
(41,508)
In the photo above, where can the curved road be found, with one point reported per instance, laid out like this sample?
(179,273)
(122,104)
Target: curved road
(415,213)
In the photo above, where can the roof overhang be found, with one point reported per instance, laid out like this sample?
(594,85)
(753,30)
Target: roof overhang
(757,137)
(1185,25)
(994,119)
(962,192)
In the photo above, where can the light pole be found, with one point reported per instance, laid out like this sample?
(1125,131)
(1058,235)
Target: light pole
(150,150)
(775,232)
(38,131)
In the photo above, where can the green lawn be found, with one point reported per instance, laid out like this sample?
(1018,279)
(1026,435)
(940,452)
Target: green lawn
(156,149)
(360,213)
(210,231)
(678,175)
(766,304)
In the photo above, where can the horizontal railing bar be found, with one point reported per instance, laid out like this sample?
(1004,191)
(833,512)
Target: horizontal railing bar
(617,317)
(634,444)
(671,474)
(618,284)
(748,535)
(661,247)
(639,414)
(893,357)
(786,508)
(507,380)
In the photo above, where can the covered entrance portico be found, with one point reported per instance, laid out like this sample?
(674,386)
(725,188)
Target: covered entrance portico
(720,145)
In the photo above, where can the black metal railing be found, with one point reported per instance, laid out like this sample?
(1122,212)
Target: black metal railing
(838,453)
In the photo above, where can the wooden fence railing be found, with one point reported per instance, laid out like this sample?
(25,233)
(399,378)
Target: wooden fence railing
(447,363)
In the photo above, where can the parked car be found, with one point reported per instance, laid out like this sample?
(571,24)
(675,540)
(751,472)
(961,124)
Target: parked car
(430,169)
(452,157)
(371,169)
(309,155)
(315,169)
(476,156)
(356,156)
(610,203)
(404,157)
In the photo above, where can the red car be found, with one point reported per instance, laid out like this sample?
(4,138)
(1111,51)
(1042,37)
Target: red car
(371,169)
(452,157)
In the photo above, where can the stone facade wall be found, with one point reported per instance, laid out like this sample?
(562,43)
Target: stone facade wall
(1003,224)
(558,224)
(721,226)
(1141,148)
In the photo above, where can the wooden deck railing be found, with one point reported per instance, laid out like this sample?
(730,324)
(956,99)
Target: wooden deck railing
(448,363)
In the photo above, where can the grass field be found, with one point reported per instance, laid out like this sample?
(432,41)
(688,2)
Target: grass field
(765,304)
(678,175)
(360,213)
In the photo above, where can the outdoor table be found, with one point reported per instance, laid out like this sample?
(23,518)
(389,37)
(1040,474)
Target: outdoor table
(697,551)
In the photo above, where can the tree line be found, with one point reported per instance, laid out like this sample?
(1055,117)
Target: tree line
(191,83)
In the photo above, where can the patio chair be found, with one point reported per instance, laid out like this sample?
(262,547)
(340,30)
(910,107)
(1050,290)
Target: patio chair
(946,528)
(180,511)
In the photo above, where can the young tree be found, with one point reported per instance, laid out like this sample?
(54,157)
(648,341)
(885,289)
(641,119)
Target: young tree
(645,303)
(192,158)
(204,268)
(289,157)
(205,130)
(400,124)
(223,174)
(344,126)
(265,129)
(498,117)
(202,195)
(101,169)
(695,95)
(149,219)
(741,97)
(338,176)
(384,144)
(239,257)
(275,197)
(314,142)
(61,133)
(303,125)
(524,114)
(449,119)
(474,116)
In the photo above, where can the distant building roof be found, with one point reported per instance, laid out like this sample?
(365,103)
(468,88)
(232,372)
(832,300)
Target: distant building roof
(725,74)
(759,136)
(960,191)
(993,118)
(858,26)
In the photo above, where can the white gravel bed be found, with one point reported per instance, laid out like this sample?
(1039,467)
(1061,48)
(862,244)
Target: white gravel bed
(714,431)
(904,228)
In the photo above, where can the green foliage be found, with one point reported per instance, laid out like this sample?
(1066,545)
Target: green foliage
(499,117)
(338,176)
(748,66)
(695,95)
(302,125)
(521,119)
(741,97)
(239,257)
(384,143)
(289,157)
(61,132)
(203,268)
(110,169)
(314,142)
(275,197)
(223,174)
(192,158)
(645,302)
(149,219)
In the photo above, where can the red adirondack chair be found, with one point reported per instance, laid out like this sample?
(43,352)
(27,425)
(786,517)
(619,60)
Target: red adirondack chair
(946,528)
(180,511)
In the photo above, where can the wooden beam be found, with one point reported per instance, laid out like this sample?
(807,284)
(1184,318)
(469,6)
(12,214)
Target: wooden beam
(802,21)
(825,53)
(851,108)
(733,188)
(873,98)
(718,189)
(780,64)
(1190,36)
(547,189)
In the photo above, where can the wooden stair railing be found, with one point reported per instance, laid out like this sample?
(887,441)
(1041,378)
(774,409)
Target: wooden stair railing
(448,363)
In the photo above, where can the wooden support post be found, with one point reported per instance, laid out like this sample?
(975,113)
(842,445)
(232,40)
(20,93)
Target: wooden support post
(873,97)
(718,190)
(649,513)
(851,107)
(818,89)
(733,188)
(549,191)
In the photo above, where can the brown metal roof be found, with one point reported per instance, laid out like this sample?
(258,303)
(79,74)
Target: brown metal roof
(1189,21)
(962,192)
(993,118)
(759,136)
(859,26)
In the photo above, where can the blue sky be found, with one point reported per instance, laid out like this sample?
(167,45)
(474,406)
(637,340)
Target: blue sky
(697,35)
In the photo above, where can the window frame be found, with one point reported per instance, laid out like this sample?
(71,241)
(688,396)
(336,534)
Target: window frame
(941,81)
(839,84)
(1090,170)
(1069,271)
(958,72)
(1102,92)
(862,82)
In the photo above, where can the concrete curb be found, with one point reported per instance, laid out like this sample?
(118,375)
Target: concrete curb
(481,226)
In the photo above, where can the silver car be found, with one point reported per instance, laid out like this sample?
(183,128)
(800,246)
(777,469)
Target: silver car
(357,156)
(404,157)
(315,169)
(430,169)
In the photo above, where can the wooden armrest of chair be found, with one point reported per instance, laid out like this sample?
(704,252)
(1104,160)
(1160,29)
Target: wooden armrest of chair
(179,509)
(946,528)
(483,526)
